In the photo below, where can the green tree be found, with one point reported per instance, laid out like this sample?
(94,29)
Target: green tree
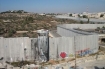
(101,15)
(29,19)
(10,35)
(78,15)
(103,27)
(12,31)
(81,22)
(70,14)
(84,16)
(25,35)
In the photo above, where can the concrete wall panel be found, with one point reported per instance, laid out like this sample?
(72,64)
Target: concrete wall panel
(82,26)
(1,47)
(84,45)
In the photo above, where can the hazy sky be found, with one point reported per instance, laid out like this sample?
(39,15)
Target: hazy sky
(53,6)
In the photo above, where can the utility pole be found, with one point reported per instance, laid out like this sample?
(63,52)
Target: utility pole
(75,50)
(57,53)
(87,15)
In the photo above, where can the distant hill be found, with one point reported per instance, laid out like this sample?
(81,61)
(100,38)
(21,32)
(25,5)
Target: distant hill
(15,11)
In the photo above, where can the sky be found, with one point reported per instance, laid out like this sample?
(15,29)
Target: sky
(53,6)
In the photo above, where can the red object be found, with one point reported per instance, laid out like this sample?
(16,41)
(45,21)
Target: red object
(63,54)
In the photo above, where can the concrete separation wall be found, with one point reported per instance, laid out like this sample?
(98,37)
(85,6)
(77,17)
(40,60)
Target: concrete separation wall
(23,48)
(15,49)
(71,32)
(81,26)
(84,45)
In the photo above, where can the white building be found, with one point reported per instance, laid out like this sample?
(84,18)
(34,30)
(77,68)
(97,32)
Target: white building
(75,14)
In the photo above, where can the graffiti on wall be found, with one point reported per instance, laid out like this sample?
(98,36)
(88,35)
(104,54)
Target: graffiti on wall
(81,52)
(63,54)
(84,51)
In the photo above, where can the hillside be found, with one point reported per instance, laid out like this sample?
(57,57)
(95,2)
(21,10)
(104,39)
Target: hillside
(25,24)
